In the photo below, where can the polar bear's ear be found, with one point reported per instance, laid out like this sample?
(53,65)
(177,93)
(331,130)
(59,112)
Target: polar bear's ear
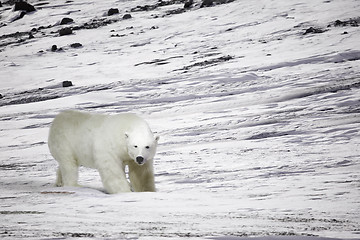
(157,138)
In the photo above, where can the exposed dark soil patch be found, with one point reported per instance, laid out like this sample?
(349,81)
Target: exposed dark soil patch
(155,6)
(14,35)
(76,235)
(187,5)
(353,22)
(207,63)
(17,37)
(41,4)
(314,30)
(210,3)
(96,23)
(15,166)
(42,94)
(268,135)
(20,212)
(30,99)
(158,61)
(57,192)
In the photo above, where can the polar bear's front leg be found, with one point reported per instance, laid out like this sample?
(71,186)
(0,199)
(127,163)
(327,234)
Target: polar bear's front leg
(114,180)
(142,177)
(113,176)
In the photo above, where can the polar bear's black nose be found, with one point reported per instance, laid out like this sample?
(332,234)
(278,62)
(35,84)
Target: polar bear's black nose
(139,159)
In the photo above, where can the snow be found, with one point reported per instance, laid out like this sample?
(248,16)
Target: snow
(259,123)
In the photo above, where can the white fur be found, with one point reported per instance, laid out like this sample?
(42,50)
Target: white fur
(106,143)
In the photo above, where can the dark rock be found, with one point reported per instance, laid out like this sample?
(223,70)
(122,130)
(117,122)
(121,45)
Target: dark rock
(1,96)
(76,45)
(188,3)
(127,16)
(118,35)
(24,6)
(31,36)
(67,84)
(113,11)
(339,23)
(207,3)
(66,21)
(350,22)
(54,48)
(0,4)
(313,30)
(65,31)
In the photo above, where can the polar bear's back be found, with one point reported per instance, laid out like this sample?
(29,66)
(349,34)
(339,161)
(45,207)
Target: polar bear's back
(74,126)
(70,118)
(66,122)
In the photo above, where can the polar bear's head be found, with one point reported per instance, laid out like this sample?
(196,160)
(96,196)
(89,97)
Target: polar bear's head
(141,148)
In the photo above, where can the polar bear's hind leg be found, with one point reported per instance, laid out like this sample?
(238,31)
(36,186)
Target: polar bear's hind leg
(67,174)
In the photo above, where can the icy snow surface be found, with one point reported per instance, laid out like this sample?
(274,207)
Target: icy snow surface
(259,122)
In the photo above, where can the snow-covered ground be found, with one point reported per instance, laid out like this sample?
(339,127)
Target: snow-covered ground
(259,122)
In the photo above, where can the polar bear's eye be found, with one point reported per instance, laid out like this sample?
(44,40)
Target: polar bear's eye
(147,147)
(135,146)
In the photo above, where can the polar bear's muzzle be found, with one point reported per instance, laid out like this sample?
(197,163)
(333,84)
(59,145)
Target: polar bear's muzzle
(140,160)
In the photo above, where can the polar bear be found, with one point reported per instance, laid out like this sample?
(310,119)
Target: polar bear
(107,143)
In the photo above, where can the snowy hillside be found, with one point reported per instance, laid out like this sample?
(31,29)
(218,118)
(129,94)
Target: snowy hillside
(257,104)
